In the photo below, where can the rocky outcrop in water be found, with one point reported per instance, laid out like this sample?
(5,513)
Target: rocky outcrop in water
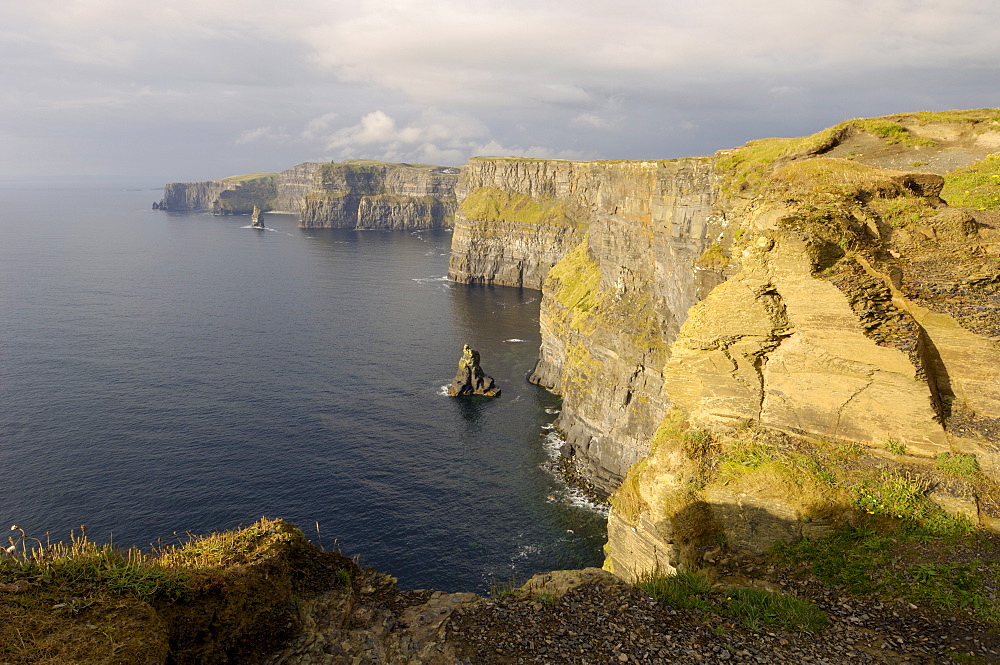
(471,379)
(355,194)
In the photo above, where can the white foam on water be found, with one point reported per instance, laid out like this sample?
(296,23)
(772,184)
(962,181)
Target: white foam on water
(443,391)
(551,411)
(514,340)
(524,551)
(553,443)
(577,498)
(430,280)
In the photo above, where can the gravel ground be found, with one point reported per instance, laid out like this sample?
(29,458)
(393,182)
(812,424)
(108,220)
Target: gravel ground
(603,621)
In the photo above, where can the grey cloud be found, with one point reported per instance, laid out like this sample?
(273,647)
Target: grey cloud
(219,85)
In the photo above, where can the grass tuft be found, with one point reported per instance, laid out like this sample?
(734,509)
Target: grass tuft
(958,465)
(756,609)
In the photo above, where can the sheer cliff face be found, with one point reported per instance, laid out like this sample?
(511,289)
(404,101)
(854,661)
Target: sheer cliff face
(795,296)
(516,219)
(624,239)
(380,196)
(856,344)
(355,195)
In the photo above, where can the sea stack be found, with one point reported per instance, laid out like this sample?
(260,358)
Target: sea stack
(255,220)
(470,379)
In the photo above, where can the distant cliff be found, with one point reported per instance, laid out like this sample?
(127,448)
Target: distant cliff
(374,195)
(354,194)
(782,295)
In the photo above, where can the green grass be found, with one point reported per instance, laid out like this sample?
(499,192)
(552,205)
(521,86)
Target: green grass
(903,561)
(247,177)
(503,588)
(976,186)
(493,204)
(756,609)
(891,131)
(99,568)
(958,465)
(685,590)
(895,447)
(892,495)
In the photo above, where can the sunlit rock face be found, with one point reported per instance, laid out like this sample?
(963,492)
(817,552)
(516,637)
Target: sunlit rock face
(818,288)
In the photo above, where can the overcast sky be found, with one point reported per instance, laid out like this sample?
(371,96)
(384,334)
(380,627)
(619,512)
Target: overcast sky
(199,89)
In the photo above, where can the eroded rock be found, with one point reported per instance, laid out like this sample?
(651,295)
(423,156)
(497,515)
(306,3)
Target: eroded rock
(471,379)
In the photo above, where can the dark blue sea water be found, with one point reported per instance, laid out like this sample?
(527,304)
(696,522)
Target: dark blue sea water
(170,372)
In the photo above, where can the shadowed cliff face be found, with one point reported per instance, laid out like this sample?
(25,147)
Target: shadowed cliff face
(798,284)
(625,238)
(354,194)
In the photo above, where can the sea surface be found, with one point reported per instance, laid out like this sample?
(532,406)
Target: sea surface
(163,373)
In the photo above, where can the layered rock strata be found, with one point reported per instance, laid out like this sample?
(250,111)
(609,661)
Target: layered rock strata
(627,241)
(353,194)
(861,312)
(799,285)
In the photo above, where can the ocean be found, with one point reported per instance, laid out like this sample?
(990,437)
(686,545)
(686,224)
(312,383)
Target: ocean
(164,373)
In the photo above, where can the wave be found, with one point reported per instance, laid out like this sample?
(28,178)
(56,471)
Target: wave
(443,391)
(553,443)
(514,340)
(430,280)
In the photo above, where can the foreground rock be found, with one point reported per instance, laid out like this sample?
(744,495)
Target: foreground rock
(264,594)
(471,379)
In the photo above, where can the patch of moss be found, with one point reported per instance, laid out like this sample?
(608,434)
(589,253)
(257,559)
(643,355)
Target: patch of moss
(627,500)
(891,131)
(493,204)
(976,186)
(575,282)
(713,257)
(251,191)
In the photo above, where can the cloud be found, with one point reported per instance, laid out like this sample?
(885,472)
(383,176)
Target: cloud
(244,80)
(433,136)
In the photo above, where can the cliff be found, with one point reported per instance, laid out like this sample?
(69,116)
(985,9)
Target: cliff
(373,195)
(819,291)
(354,194)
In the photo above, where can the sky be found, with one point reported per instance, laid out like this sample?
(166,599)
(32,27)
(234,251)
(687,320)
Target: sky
(188,90)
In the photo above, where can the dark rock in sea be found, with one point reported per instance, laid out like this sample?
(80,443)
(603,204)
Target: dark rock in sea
(470,379)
